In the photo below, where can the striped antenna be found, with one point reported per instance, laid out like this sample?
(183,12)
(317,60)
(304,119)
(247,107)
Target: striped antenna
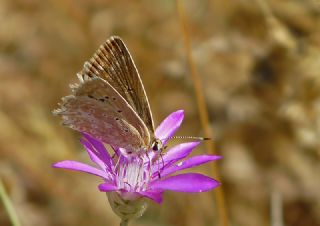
(190,137)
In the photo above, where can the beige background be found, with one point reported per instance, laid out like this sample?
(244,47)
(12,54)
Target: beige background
(262,87)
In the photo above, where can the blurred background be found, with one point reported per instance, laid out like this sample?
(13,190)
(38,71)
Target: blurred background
(259,63)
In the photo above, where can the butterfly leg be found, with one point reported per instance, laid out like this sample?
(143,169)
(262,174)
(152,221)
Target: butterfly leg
(159,174)
(150,164)
(161,154)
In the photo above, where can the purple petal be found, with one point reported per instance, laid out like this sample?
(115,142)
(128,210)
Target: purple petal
(174,154)
(78,166)
(189,163)
(92,154)
(169,126)
(106,187)
(155,196)
(101,150)
(189,182)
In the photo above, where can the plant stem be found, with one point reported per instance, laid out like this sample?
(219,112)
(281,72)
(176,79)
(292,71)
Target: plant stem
(203,112)
(8,206)
(124,222)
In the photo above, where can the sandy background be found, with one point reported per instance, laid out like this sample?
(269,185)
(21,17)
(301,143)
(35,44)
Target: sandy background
(260,72)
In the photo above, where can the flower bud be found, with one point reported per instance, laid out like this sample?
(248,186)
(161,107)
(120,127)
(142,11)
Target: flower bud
(127,207)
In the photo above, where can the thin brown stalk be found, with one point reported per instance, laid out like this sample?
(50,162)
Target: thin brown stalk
(203,112)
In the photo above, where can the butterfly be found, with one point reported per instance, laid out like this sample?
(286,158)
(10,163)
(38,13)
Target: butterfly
(110,102)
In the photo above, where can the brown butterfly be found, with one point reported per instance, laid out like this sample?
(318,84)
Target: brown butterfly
(110,103)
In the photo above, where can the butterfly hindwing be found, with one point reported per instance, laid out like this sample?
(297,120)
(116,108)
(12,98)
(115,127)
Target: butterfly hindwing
(98,109)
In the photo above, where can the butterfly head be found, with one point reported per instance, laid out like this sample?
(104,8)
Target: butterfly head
(156,145)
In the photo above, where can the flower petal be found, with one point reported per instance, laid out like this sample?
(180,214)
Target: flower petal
(169,126)
(102,152)
(189,163)
(78,166)
(189,182)
(174,154)
(155,196)
(107,187)
(92,154)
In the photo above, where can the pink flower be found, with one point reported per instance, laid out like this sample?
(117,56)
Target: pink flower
(150,174)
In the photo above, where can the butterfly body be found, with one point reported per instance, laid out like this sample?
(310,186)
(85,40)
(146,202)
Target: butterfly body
(110,102)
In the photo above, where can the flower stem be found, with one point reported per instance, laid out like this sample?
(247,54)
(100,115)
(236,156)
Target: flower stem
(8,206)
(124,222)
(203,112)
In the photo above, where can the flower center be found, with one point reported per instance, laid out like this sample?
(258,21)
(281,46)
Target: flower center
(131,175)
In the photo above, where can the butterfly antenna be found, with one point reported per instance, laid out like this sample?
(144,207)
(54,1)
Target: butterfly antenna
(190,137)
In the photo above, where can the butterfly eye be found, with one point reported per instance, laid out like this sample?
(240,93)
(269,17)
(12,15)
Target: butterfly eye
(156,145)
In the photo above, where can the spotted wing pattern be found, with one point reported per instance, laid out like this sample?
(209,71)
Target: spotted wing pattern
(98,109)
(113,63)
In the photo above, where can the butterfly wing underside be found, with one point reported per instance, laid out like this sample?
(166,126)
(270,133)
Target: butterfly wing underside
(113,63)
(98,109)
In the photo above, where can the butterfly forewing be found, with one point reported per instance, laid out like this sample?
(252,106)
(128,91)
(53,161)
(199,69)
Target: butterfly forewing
(98,109)
(113,63)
